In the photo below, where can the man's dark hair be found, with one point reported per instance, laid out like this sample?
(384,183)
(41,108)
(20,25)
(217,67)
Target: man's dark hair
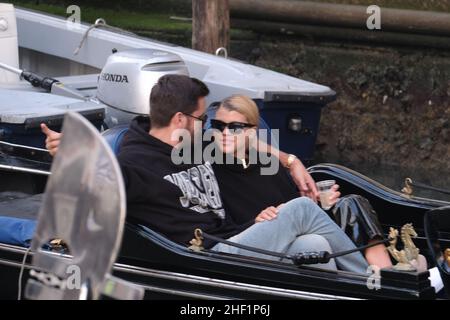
(174,93)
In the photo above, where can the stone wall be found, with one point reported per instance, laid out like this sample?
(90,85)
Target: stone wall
(393,103)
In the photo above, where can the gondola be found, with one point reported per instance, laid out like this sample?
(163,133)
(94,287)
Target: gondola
(165,269)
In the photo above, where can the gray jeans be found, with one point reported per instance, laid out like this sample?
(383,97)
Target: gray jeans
(301,225)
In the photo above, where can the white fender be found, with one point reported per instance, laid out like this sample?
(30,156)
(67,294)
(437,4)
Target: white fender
(9,49)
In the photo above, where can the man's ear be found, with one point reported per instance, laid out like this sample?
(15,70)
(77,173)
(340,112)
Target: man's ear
(178,120)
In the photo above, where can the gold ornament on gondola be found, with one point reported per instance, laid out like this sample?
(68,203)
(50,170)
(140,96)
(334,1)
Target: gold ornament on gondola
(410,253)
(408,189)
(197,242)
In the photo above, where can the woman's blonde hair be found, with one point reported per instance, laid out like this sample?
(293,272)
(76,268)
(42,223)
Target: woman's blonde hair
(244,105)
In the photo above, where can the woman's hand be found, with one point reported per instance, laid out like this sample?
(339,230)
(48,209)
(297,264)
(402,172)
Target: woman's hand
(267,214)
(334,195)
(53,139)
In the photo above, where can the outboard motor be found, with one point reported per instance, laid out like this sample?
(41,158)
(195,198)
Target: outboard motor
(9,52)
(127,78)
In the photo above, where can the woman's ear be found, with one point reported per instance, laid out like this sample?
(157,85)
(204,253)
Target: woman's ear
(252,133)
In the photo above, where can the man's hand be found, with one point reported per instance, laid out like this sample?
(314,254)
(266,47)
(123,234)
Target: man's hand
(53,139)
(303,180)
(267,214)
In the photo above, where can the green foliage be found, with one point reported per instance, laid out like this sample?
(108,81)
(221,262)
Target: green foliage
(125,19)
(166,6)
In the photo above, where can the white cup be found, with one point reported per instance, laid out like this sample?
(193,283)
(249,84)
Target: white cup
(325,193)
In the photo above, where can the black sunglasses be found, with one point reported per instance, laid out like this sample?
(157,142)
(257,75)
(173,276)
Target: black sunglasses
(235,127)
(202,118)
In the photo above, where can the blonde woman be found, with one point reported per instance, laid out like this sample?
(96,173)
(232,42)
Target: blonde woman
(248,194)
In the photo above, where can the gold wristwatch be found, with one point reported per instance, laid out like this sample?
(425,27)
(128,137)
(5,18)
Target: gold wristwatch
(290,160)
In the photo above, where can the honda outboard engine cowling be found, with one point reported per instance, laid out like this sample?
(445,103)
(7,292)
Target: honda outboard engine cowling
(127,78)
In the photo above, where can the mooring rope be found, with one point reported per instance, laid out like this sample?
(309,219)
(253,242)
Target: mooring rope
(100,22)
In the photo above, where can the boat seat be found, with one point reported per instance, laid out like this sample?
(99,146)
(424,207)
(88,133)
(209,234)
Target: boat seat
(16,231)
(114,137)
(18,212)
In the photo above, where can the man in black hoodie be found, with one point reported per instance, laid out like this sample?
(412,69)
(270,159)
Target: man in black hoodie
(172,199)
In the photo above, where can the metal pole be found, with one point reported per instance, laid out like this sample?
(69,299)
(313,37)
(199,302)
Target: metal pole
(11,69)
